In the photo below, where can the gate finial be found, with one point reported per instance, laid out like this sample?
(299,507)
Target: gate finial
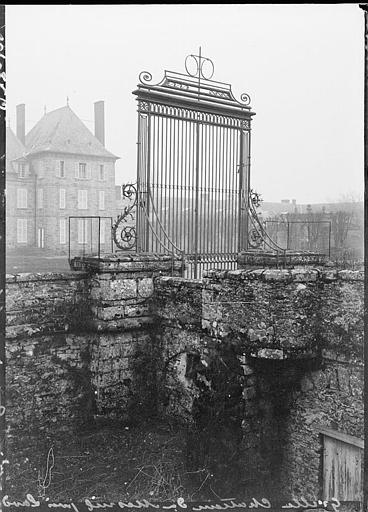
(200,61)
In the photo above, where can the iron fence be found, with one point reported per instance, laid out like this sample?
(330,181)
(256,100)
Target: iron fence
(302,236)
(89,235)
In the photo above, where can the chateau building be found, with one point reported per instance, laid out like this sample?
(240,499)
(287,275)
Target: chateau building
(57,171)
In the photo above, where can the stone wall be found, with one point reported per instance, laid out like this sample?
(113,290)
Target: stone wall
(255,362)
(274,356)
(47,350)
(72,339)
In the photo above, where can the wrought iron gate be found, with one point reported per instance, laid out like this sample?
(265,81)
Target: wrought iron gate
(193,167)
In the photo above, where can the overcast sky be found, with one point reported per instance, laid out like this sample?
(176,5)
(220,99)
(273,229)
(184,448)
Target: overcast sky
(302,66)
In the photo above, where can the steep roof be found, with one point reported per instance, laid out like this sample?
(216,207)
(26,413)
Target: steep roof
(62,131)
(14,147)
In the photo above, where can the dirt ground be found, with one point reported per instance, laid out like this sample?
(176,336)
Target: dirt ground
(110,463)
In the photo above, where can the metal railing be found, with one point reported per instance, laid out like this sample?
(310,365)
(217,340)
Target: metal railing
(300,235)
(89,235)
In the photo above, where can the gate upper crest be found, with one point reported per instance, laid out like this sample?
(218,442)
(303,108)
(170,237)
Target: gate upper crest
(195,87)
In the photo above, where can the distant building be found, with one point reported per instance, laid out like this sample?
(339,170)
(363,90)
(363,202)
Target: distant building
(59,169)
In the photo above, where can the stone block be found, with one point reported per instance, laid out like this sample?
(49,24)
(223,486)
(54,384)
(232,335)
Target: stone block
(277,275)
(249,393)
(145,287)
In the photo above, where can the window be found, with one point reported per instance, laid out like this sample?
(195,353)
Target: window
(82,200)
(81,171)
(21,170)
(82,231)
(102,173)
(102,231)
(62,231)
(21,198)
(101,200)
(22,230)
(62,198)
(40,198)
(61,169)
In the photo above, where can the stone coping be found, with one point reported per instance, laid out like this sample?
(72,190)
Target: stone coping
(27,277)
(289,275)
(288,259)
(128,261)
(132,256)
(179,281)
(267,274)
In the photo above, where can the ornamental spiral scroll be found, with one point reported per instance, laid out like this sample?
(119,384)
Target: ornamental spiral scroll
(255,235)
(125,237)
(255,198)
(145,77)
(245,99)
(255,239)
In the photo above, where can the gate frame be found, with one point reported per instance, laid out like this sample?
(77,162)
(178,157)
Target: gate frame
(203,101)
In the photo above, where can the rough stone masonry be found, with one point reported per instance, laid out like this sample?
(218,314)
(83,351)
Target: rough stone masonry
(254,362)
(277,354)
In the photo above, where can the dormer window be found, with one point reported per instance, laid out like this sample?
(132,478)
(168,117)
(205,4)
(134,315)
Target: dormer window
(22,170)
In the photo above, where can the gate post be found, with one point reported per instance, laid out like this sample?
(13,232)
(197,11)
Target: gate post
(244,190)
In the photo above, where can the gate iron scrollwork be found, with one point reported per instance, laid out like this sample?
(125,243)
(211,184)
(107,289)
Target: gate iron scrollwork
(125,236)
(255,236)
(258,238)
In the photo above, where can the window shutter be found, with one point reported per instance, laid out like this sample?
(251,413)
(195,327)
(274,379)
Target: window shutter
(62,231)
(62,198)
(77,169)
(80,231)
(21,198)
(40,198)
(101,200)
(22,230)
(102,231)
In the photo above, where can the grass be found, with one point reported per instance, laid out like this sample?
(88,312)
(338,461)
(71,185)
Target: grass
(113,463)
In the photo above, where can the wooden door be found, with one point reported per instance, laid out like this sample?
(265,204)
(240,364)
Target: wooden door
(342,468)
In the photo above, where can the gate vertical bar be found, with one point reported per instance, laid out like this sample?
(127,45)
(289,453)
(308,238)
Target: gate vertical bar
(240,193)
(196,213)
(247,191)
(139,210)
(148,182)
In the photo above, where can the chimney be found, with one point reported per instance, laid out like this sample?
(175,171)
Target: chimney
(21,122)
(100,121)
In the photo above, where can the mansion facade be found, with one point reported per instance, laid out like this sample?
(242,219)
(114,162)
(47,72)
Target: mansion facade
(55,173)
